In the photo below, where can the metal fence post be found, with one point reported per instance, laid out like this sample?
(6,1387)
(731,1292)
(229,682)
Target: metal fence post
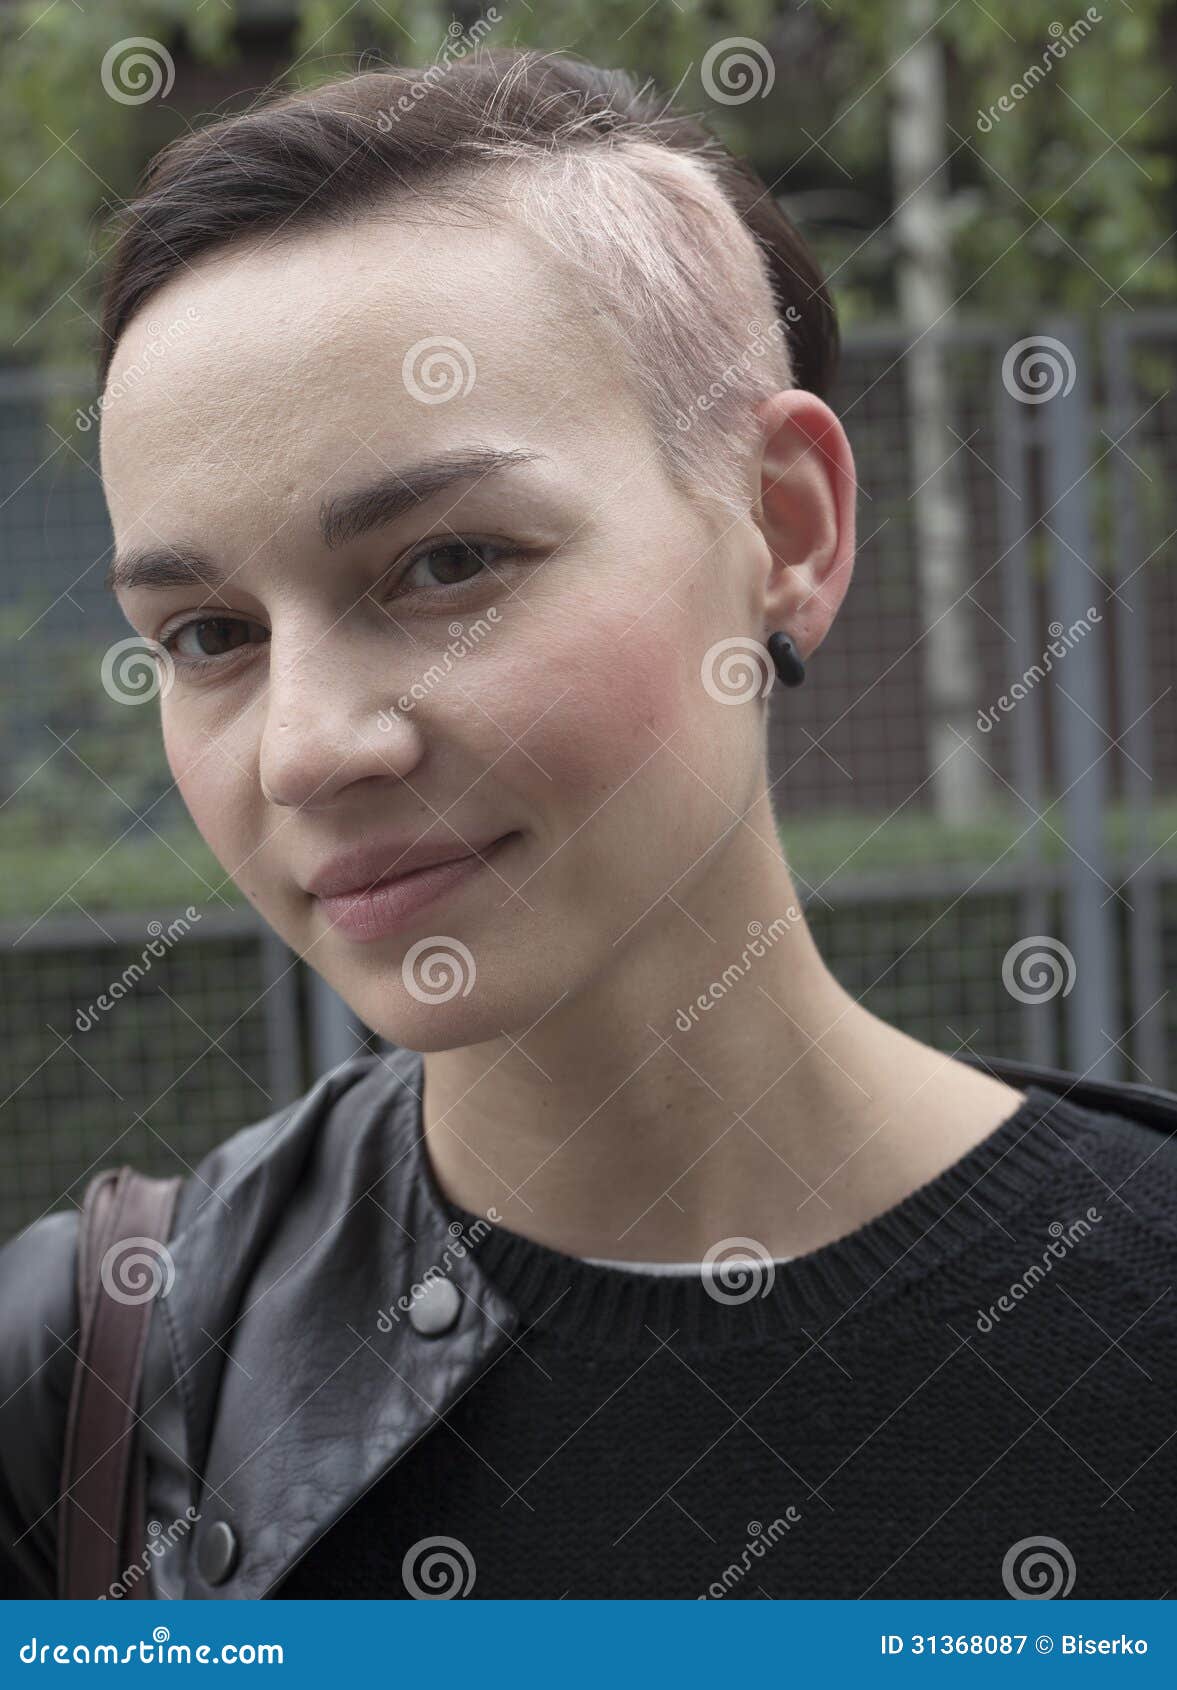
(1013,431)
(1079,698)
(1129,570)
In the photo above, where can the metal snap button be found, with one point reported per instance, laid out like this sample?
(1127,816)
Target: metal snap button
(217,1555)
(437,1307)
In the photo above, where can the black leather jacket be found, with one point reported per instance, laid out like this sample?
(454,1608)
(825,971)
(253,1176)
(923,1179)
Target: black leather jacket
(276,1388)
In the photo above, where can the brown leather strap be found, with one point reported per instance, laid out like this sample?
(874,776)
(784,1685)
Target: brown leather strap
(122,1263)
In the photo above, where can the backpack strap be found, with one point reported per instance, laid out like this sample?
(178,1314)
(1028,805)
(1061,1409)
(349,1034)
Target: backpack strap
(100,1513)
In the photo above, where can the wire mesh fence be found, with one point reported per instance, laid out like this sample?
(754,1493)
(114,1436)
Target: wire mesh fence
(981,826)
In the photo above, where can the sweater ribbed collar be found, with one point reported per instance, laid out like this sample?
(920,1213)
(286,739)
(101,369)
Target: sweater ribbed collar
(575,1300)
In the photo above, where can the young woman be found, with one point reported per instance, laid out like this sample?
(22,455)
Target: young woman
(476,492)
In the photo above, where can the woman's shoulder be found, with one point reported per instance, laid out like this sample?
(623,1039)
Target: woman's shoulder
(1133,1160)
(38,1299)
(1119,1136)
(38,1308)
(38,1330)
(354,1103)
(1105,1186)
(309,1145)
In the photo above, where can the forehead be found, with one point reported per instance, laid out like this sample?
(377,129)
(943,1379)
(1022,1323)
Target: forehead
(269,373)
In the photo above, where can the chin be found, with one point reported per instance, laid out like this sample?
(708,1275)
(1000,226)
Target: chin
(506,1001)
(441,993)
(436,1027)
(431,1010)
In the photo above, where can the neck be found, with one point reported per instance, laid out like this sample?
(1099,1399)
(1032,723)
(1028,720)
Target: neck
(715,1082)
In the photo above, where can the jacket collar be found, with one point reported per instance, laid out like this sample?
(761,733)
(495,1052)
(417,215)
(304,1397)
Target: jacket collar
(1154,1105)
(302,1376)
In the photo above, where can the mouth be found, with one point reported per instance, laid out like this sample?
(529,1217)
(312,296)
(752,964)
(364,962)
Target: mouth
(377,911)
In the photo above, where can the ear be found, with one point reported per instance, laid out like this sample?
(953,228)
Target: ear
(806,513)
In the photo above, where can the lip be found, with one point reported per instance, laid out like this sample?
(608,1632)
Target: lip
(373,909)
(362,867)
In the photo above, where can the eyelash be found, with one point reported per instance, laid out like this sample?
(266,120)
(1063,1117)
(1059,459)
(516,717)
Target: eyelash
(198,665)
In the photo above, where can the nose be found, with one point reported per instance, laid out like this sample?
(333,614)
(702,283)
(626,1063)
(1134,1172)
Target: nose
(329,721)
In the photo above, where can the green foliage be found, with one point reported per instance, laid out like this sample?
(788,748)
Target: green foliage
(1064,200)
(69,152)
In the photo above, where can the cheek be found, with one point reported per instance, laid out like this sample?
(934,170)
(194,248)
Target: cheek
(182,747)
(213,790)
(630,767)
(589,705)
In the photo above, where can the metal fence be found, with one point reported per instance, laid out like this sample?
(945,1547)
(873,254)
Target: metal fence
(1043,924)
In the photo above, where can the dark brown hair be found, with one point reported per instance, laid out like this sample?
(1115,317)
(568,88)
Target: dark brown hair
(348,148)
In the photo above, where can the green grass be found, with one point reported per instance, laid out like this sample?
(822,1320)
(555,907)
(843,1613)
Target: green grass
(146,873)
(136,874)
(833,844)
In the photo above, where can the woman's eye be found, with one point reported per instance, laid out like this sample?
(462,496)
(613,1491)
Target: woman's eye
(451,563)
(205,641)
(206,638)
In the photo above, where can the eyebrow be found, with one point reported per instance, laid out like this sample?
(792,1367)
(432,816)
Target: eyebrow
(342,518)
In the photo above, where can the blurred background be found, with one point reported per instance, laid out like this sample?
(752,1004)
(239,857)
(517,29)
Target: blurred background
(977,785)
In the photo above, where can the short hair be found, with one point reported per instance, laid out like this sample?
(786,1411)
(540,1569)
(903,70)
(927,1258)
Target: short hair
(672,242)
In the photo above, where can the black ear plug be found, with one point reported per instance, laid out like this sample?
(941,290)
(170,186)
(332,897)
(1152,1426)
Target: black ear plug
(789,667)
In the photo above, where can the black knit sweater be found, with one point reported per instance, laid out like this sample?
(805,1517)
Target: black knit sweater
(905,1412)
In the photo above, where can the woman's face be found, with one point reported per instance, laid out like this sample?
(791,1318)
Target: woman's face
(519,653)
